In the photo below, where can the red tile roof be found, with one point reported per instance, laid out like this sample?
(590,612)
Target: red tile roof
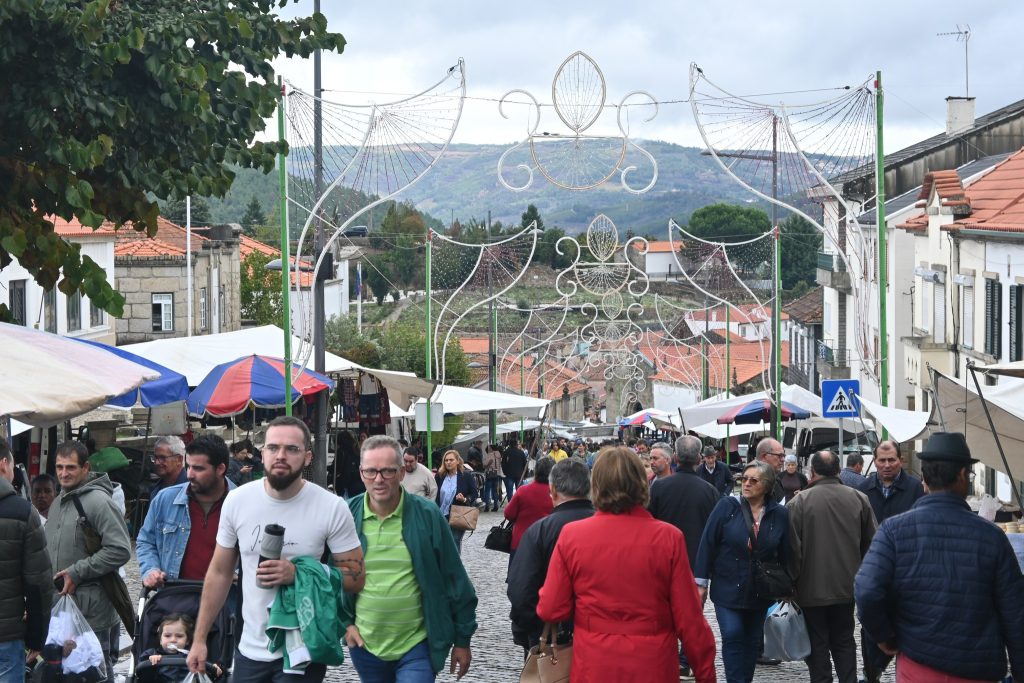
(170,241)
(73,228)
(682,364)
(247,245)
(808,308)
(474,345)
(147,248)
(660,247)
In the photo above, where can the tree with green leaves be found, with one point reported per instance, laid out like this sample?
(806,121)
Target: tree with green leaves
(109,107)
(177,213)
(799,245)
(531,215)
(253,218)
(729,223)
(260,290)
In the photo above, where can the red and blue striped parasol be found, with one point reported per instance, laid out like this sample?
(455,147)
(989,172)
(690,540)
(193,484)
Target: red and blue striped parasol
(760,410)
(232,388)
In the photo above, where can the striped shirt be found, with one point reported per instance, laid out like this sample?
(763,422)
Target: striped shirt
(389,609)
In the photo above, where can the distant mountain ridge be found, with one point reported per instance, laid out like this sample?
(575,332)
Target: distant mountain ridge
(464,185)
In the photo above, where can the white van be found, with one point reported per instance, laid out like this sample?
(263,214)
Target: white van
(804,437)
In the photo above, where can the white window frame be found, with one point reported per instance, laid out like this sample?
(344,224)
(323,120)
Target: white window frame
(939,304)
(967,323)
(165,300)
(204,309)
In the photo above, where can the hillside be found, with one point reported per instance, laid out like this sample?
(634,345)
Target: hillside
(464,185)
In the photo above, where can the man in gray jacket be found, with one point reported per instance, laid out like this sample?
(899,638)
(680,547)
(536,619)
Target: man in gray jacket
(26,584)
(830,530)
(77,571)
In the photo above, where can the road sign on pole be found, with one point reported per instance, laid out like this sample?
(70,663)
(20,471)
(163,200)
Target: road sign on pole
(839,398)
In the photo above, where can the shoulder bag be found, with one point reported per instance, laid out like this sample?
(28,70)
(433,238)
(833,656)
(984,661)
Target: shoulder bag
(771,580)
(463,517)
(500,537)
(548,662)
(112,584)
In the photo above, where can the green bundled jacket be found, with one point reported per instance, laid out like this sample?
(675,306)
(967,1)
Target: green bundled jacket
(449,600)
(304,620)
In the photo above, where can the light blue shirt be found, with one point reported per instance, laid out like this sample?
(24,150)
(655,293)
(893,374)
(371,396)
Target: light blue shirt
(449,487)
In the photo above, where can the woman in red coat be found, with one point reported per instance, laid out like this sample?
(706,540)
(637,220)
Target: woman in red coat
(531,502)
(624,580)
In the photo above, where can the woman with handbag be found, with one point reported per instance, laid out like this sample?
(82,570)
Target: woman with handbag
(455,486)
(624,579)
(744,544)
(492,475)
(531,502)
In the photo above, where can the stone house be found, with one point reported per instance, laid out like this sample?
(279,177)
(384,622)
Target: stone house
(151,274)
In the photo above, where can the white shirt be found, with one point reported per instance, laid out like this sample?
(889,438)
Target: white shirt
(312,518)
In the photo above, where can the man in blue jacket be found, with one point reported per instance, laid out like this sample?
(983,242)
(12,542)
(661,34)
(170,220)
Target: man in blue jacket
(418,602)
(940,587)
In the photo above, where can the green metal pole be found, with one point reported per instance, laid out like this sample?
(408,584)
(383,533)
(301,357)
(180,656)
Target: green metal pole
(728,373)
(426,345)
(776,346)
(282,176)
(522,387)
(883,258)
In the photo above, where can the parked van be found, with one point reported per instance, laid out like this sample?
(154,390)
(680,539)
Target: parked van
(804,437)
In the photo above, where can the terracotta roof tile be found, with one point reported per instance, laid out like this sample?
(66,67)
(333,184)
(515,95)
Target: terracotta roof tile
(808,308)
(73,228)
(247,245)
(147,248)
(659,247)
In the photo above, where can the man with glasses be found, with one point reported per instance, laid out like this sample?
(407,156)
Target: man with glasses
(417,478)
(168,464)
(418,603)
(940,587)
(178,537)
(312,518)
(771,452)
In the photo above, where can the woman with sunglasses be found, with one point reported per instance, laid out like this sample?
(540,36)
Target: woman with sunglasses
(725,560)
(454,486)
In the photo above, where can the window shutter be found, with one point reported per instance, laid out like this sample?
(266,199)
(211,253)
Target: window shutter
(1016,300)
(990,316)
(939,300)
(968,317)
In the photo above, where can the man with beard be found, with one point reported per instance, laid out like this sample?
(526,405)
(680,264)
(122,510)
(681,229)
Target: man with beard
(177,539)
(311,517)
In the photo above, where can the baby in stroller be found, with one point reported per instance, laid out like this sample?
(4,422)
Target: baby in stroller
(175,632)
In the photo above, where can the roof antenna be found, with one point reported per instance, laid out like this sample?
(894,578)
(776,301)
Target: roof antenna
(963,34)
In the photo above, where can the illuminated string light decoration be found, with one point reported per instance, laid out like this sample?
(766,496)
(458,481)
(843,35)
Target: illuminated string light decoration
(579,159)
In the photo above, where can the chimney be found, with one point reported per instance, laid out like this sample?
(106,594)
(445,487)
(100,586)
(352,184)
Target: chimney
(959,115)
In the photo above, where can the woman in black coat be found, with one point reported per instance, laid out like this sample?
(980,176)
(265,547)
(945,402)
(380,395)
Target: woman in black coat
(454,486)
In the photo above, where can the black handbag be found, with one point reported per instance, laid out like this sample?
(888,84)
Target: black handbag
(500,538)
(771,580)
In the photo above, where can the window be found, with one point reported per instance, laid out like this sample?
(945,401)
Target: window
(163,312)
(50,310)
(96,318)
(204,311)
(223,307)
(74,305)
(926,305)
(939,299)
(967,324)
(1016,326)
(993,313)
(16,301)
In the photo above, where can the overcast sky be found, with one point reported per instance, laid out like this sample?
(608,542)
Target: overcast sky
(744,46)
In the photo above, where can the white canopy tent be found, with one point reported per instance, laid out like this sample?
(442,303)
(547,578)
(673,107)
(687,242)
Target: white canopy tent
(195,357)
(463,400)
(903,425)
(505,428)
(47,378)
(712,408)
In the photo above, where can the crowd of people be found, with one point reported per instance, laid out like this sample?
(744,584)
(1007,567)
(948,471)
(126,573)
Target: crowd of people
(616,547)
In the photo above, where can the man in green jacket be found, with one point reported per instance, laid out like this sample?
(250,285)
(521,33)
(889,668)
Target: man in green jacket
(77,571)
(418,601)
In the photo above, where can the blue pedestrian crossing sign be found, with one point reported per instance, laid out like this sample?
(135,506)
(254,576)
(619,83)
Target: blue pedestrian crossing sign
(839,397)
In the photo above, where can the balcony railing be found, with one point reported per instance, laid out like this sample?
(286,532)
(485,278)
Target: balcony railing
(831,262)
(831,354)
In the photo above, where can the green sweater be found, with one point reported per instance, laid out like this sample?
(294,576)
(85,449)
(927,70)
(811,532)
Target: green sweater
(449,600)
(308,611)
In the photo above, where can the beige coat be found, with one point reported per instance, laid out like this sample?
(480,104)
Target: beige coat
(830,531)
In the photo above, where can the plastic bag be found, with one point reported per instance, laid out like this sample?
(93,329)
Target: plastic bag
(785,633)
(71,641)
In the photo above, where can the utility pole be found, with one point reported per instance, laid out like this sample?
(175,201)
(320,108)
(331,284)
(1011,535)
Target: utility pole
(282,177)
(492,351)
(426,343)
(883,256)
(319,466)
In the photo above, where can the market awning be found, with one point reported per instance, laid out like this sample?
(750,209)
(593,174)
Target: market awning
(195,357)
(169,387)
(505,428)
(712,408)
(463,400)
(903,425)
(47,378)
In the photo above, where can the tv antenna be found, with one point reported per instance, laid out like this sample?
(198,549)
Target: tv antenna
(963,34)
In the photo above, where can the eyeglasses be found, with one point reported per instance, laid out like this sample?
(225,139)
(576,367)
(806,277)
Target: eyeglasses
(749,480)
(370,473)
(274,449)
(162,458)
(778,454)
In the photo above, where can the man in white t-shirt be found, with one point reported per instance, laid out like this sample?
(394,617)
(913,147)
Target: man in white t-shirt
(312,517)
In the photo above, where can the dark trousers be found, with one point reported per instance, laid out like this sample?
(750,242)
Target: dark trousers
(875,661)
(742,637)
(252,671)
(830,630)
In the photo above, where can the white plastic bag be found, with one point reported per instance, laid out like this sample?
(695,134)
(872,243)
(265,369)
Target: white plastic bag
(785,633)
(80,648)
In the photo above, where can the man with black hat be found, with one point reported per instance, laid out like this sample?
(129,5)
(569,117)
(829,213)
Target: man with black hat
(940,587)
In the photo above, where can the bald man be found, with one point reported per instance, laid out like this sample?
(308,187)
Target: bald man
(772,453)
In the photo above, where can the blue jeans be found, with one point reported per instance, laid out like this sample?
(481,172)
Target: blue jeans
(510,488)
(491,492)
(413,667)
(742,637)
(12,661)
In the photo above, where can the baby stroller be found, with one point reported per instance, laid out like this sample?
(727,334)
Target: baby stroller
(183,597)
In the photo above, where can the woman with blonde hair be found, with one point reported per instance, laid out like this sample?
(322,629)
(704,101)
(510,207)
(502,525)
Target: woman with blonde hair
(626,630)
(454,486)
